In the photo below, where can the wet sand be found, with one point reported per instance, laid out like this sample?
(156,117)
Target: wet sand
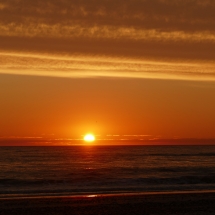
(152,203)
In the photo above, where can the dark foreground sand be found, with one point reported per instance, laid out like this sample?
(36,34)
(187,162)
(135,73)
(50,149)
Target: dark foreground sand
(132,204)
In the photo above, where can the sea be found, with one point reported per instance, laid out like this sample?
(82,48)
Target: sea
(78,170)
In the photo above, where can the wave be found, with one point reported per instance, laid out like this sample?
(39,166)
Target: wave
(186,179)
(181,154)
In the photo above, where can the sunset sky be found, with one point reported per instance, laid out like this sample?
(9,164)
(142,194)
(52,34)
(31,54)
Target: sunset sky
(121,69)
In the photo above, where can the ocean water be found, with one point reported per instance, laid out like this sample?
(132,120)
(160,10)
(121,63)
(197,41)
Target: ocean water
(77,170)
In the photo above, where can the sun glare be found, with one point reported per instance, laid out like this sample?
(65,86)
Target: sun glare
(89,138)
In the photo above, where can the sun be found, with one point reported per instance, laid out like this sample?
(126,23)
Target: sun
(89,138)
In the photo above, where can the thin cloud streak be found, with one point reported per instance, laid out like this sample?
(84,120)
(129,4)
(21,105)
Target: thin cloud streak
(104,32)
(97,66)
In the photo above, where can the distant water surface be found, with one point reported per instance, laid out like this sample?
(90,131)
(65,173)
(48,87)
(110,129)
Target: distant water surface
(105,169)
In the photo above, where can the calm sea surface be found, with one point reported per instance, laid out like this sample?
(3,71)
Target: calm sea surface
(105,169)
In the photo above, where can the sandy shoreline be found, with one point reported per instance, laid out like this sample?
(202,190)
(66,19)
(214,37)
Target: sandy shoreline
(201,202)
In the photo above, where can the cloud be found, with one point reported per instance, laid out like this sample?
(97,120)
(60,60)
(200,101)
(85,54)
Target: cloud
(81,66)
(170,37)
(103,32)
(177,15)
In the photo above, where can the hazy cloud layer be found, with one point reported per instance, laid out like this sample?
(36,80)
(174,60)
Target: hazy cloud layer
(177,32)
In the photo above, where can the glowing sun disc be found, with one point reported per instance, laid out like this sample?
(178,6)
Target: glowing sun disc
(89,138)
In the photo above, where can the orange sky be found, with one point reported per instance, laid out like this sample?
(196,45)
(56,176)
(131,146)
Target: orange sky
(134,69)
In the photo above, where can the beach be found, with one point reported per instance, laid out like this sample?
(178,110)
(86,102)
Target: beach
(135,203)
